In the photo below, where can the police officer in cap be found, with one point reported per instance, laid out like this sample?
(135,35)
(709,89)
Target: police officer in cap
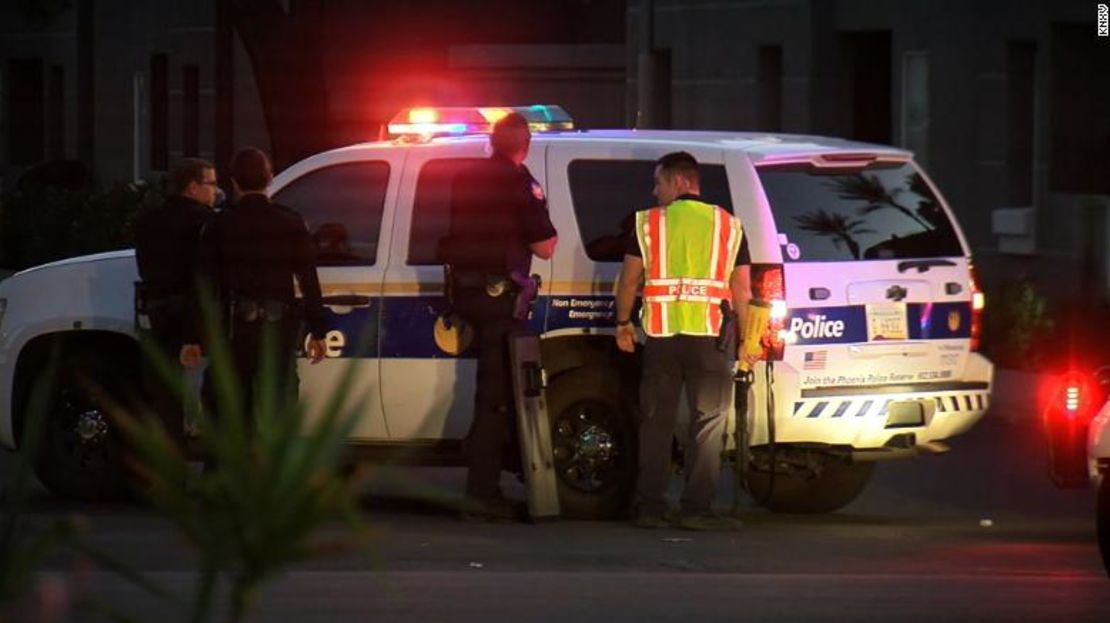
(499,220)
(250,255)
(166,241)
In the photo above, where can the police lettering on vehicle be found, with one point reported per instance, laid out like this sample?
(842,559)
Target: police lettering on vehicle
(820,326)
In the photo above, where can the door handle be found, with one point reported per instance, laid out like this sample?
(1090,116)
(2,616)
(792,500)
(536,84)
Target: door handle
(819,294)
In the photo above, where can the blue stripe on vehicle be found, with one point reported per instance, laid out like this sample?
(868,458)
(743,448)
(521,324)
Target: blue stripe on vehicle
(979,401)
(864,408)
(967,401)
(401,326)
(798,407)
(847,324)
(842,408)
(940,404)
(886,408)
(955,402)
(818,409)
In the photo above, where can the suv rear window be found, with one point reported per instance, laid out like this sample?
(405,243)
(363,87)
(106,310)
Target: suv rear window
(884,211)
(607,193)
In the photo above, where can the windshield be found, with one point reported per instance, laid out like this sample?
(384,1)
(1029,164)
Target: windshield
(884,211)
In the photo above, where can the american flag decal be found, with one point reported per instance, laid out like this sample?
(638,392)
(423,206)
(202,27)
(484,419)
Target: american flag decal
(815,360)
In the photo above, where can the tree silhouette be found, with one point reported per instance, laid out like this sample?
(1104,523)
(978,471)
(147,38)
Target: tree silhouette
(834,225)
(870,190)
(927,208)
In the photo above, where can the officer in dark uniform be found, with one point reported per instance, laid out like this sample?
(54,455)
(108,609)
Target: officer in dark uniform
(499,220)
(250,255)
(166,241)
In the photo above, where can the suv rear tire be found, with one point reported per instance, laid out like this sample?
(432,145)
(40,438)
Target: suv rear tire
(593,437)
(81,454)
(834,486)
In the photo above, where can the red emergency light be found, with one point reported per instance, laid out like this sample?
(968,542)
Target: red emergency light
(426,122)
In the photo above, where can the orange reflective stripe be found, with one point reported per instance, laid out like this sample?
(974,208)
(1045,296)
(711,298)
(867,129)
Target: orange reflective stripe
(724,233)
(655,236)
(721,270)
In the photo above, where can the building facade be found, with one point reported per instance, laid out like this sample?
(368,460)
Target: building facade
(1005,102)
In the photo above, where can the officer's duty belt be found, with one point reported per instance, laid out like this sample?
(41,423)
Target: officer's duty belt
(267,310)
(493,285)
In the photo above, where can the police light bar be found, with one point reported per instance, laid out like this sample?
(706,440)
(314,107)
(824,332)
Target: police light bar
(426,122)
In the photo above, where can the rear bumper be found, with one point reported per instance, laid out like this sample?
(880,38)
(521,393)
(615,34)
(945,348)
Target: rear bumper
(862,418)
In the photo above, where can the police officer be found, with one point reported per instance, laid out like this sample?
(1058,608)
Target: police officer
(690,256)
(250,255)
(499,220)
(166,242)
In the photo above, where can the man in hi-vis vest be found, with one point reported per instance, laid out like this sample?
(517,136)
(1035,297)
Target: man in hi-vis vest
(690,256)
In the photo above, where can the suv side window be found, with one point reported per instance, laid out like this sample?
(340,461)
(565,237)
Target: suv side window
(431,208)
(607,193)
(342,205)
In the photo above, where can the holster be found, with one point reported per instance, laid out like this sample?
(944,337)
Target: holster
(726,338)
(527,290)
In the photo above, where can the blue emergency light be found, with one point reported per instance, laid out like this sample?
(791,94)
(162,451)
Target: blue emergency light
(426,122)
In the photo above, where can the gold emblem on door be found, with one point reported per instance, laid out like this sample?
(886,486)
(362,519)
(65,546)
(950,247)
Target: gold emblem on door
(954,320)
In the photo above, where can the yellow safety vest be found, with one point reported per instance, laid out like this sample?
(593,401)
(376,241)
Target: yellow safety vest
(689,249)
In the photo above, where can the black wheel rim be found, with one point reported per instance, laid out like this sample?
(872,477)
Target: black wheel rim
(81,434)
(588,445)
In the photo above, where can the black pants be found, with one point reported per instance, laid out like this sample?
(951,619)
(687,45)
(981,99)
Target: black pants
(164,338)
(671,364)
(247,363)
(491,442)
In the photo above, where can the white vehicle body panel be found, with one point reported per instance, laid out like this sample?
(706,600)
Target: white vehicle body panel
(410,398)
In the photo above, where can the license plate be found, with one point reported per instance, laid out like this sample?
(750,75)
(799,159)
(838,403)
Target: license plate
(905,414)
(887,321)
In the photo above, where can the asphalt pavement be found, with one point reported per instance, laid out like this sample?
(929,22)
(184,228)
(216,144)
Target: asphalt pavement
(978,534)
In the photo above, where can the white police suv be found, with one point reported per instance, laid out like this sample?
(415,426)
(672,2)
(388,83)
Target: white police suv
(871,355)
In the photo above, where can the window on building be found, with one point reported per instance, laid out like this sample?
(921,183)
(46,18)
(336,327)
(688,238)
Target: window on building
(915,103)
(1021,59)
(56,107)
(342,205)
(1080,109)
(607,193)
(190,111)
(768,80)
(26,120)
(159,112)
(431,209)
(869,84)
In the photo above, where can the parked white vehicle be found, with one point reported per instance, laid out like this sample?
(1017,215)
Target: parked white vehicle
(873,342)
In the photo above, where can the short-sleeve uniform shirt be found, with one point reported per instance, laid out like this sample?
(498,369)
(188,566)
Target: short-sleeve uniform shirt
(497,210)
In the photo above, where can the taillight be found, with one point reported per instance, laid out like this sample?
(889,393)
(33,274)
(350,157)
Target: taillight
(769,285)
(1069,406)
(978,302)
(1071,399)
